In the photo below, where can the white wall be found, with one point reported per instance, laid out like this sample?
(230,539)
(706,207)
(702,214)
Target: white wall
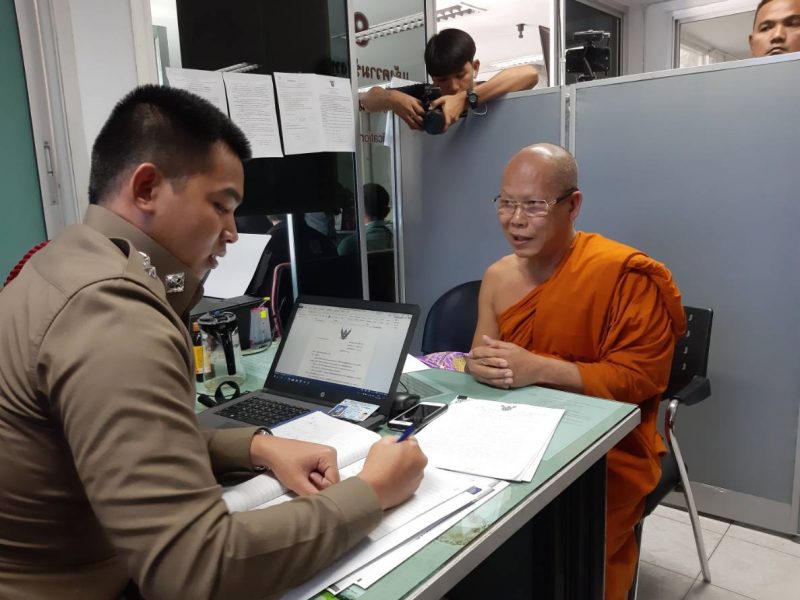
(165,13)
(101,48)
(105,59)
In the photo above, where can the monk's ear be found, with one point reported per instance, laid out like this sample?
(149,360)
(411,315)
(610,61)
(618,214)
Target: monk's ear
(574,202)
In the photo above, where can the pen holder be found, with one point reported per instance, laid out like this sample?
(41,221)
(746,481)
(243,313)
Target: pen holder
(222,351)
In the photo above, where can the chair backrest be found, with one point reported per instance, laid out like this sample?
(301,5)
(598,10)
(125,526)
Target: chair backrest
(452,319)
(380,267)
(281,296)
(691,350)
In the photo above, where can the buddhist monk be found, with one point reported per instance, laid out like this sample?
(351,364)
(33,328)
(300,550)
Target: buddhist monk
(582,313)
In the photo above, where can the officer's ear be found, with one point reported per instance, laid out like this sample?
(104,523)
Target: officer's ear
(145,185)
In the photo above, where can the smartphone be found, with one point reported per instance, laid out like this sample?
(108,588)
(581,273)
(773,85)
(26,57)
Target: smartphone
(418,415)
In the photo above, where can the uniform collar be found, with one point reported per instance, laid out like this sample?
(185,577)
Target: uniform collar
(168,268)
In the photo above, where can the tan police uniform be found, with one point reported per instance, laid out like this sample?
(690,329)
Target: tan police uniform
(104,474)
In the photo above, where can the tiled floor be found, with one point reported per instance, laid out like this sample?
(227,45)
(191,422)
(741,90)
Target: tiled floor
(744,563)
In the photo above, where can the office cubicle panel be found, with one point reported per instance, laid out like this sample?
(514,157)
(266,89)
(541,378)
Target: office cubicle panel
(699,169)
(449,227)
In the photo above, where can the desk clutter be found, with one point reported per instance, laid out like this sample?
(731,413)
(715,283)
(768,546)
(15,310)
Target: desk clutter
(471,449)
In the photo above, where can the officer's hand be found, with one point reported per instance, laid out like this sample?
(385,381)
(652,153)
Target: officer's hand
(394,470)
(303,467)
(407,108)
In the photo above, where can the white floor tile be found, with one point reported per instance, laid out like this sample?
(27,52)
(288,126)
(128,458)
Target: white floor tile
(776,542)
(656,583)
(755,571)
(670,544)
(682,516)
(706,591)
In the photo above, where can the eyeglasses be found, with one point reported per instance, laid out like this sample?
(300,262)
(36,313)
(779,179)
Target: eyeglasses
(530,208)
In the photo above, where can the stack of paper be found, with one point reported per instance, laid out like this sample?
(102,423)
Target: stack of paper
(489,438)
(432,504)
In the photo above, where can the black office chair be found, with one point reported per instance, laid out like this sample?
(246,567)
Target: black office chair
(380,270)
(451,320)
(687,385)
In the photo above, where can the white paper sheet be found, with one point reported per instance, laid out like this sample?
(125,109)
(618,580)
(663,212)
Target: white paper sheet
(206,84)
(369,550)
(388,133)
(251,98)
(489,438)
(316,113)
(338,117)
(413,364)
(375,570)
(236,268)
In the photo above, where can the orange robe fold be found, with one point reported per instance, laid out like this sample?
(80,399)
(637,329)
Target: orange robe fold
(616,314)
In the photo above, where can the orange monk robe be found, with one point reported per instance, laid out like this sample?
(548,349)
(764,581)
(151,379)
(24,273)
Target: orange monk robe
(616,314)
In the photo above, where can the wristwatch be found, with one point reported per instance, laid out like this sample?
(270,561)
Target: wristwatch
(472,99)
(262,431)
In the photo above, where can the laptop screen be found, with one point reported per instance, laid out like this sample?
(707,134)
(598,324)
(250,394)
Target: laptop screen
(332,352)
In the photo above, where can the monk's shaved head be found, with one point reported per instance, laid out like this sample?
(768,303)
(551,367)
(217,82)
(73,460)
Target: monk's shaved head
(552,163)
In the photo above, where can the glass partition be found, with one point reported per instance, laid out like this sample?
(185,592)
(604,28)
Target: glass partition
(507,33)
(316,189)
(390,42)
(715,40)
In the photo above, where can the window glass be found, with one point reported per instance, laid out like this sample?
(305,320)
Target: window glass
(716,40)
(594,35)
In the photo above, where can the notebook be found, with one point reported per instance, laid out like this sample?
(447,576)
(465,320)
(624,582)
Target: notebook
(333,350)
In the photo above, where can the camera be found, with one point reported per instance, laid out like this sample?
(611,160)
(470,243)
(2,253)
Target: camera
(590,57)
(433,120)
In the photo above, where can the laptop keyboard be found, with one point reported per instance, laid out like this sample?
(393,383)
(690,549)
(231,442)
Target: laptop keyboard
(261,411)
(415,386)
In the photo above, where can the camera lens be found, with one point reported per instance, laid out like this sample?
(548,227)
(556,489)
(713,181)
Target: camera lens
(433,121)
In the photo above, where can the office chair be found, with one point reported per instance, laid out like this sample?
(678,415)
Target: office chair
(687,385)
(380,270)
(452,319)
(281,301)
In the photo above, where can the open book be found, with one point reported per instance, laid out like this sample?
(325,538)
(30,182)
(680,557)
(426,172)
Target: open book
(352,444)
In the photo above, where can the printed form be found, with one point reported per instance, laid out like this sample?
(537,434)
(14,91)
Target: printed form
(317,113)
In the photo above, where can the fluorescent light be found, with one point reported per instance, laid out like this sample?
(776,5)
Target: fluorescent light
(417,20)
(530,59)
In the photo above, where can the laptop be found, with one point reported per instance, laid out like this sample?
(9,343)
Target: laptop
(333,350)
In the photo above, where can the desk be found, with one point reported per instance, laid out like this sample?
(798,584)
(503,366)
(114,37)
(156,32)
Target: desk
(561,512)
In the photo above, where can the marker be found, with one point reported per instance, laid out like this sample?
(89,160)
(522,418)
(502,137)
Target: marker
(407,433)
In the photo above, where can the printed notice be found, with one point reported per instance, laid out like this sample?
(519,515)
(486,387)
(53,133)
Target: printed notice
(206,84)
(316,113)
(251,98)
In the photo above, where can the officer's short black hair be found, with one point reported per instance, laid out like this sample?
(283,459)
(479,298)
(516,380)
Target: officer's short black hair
(171,128)
(448,51)
(376,201)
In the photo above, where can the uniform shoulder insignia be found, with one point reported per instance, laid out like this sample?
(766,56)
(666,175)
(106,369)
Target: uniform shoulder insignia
(148,266)
(174,282)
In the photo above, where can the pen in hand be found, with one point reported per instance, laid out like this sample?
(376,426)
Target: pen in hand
(407,433)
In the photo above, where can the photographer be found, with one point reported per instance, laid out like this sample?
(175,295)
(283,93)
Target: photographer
(451,64)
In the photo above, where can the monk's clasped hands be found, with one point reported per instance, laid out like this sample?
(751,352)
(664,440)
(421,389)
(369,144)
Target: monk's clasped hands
(502,364)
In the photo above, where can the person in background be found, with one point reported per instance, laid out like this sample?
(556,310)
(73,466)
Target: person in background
(107,484)
(776,28)
(450,61)
(581,313)
(377,230)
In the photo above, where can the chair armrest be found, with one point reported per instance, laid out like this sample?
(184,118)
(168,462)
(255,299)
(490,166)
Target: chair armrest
(697,390)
